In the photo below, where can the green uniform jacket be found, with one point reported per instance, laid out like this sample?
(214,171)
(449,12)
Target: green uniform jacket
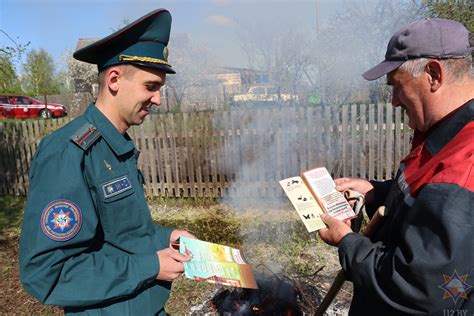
(88,242)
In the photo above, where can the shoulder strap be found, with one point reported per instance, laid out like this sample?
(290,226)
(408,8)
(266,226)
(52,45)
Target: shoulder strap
(86,135)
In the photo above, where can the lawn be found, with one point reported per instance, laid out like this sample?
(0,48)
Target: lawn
(273,240)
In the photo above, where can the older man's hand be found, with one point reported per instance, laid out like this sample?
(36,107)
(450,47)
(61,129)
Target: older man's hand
(362,186)
(336,230)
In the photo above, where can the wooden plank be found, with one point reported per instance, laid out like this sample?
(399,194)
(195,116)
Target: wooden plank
(215,147)
(189,133)
(244,171)
(153,156)
(328,159)
(380,141)
(207,151)
(11,166)
(277,170)
(372,148)
(293,137)
(262,151)
(303,138)
(200,158)
(180,155)
(227,160)
(144,157)
(355,143)
(160,163)
(398,136)
(273,172)
(16,156)
(344,140)
(315,124)
(167,178)
(22,156)
(31,141)
(3,159)
(337,142)
(310,145)
(222,150)
(171,129)
(363,141)
(389,143)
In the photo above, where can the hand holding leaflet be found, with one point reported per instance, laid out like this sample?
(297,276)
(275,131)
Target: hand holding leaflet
(216,264)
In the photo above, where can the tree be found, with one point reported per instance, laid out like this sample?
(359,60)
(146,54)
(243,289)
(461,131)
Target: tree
(39,76)
(354,41)
(192,62)
(80,76)
(9,82)
(458,10)
(327,64)
(284,54)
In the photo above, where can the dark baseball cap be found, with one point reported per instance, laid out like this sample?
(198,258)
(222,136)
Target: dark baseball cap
(430,38)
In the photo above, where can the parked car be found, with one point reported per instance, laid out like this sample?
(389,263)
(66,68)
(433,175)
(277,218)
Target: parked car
(19,106)
(264,94)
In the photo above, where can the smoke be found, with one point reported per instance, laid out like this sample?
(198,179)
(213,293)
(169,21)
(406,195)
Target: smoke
(326,65)
(262,137)
(219,21)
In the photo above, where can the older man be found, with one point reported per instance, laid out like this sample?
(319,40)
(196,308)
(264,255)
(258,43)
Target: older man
(88,242)
(421,260)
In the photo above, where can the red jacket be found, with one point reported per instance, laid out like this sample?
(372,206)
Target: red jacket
(422,259)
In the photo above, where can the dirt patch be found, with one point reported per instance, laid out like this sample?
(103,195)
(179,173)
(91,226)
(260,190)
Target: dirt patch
(13,298)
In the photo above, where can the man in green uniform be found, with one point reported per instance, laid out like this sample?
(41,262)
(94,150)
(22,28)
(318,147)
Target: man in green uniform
(88,242)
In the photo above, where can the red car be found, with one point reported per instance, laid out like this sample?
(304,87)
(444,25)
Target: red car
(18,106)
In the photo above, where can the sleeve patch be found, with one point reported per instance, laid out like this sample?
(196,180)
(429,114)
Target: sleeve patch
(61,220)
(116,186)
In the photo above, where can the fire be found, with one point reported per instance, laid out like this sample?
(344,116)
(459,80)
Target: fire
(256,309)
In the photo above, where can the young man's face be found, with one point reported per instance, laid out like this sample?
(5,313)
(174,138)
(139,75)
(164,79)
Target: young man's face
(408,92)
(139,90)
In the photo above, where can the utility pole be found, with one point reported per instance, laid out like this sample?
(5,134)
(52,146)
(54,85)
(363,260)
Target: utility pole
(317,16)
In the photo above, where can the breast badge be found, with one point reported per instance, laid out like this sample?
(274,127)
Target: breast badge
(116,186)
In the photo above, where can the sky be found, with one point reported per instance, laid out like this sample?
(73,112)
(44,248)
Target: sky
(56,25)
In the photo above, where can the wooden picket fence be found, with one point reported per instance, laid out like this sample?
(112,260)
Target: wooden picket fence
(237,153)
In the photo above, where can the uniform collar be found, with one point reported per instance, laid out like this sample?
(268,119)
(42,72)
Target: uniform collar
(120,144)
(445,130)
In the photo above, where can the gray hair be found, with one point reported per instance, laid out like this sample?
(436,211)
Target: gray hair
(457,68)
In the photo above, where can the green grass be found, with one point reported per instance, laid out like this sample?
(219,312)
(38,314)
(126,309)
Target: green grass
(11,213)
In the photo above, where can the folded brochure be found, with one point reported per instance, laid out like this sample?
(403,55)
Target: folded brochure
(313,193)
(216,264)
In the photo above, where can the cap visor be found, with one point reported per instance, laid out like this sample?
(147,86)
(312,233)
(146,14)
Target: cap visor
(382,69)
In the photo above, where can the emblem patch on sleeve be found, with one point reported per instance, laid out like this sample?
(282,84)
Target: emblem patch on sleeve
(61,220)
(116,186)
